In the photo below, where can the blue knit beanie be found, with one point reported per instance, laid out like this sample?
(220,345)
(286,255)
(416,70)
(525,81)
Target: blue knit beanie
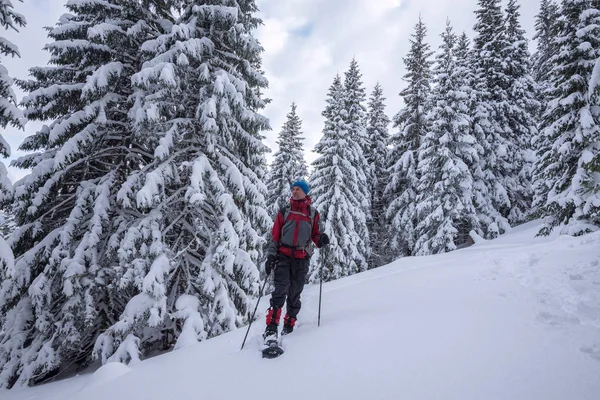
(302,185)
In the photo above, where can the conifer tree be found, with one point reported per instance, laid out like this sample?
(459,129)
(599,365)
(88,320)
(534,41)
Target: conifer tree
(191,239)
(55,299)
(445,207)
(355,96)
(288,164)
(490,123)
(356,122)
(378,137)
(336,190)
(521,111)
(546,29)
(569,190)
(464,62)
(412,124)
(478,115)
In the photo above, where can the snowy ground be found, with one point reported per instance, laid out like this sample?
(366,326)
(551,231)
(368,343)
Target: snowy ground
(513,318)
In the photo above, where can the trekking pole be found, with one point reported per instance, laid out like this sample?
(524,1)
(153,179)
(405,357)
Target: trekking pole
(255,308)
(320,288)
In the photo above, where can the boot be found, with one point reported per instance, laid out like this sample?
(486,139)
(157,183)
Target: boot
(273,316)
(288,325)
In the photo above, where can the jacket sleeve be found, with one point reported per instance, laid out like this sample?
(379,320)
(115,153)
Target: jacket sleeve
(275,235)
(316,231)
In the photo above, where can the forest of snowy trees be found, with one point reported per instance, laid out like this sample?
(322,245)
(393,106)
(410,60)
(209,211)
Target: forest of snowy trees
(141,224)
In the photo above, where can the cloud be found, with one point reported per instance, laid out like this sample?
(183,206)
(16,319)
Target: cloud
(306,43)
(376,32)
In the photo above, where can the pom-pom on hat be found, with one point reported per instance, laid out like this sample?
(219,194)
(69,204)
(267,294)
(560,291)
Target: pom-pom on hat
(302,185)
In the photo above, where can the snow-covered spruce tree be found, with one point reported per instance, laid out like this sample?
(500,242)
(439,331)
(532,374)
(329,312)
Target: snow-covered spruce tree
(479,122)
(378,137)
(491,128)
(54,300)
(401,190)
(521,111)
(288,164)
(445,208)
(192,235)
(336,184)
(10,114)
(569,166)
(354,98)
(547,29)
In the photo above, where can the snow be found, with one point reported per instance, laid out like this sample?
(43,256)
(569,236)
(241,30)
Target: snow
(9,47)
(99,79)
(516,317)
(476,238)
(193,327)
(594,80)
(103,30)
(7,260)
(108,372)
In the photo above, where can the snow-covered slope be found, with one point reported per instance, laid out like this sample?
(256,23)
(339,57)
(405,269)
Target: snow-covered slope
(512,318)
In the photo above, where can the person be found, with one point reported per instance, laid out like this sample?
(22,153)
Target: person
(295,230)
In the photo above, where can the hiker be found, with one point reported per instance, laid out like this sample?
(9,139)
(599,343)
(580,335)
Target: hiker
(288,255)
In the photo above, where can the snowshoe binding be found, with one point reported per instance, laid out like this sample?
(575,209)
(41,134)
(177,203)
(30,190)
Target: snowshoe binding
(271,348)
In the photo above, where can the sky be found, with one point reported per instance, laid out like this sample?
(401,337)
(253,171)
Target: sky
(306,42)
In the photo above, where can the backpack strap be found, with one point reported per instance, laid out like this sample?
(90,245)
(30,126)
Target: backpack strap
(312,212)
(285,211)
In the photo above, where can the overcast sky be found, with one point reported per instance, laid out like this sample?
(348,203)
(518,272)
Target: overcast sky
(306,43)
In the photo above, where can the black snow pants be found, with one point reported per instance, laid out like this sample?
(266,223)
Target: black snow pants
(289,278)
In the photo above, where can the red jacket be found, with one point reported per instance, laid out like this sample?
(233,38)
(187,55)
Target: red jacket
(297,231)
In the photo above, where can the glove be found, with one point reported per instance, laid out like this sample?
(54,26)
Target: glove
(271,263)
(323,240)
